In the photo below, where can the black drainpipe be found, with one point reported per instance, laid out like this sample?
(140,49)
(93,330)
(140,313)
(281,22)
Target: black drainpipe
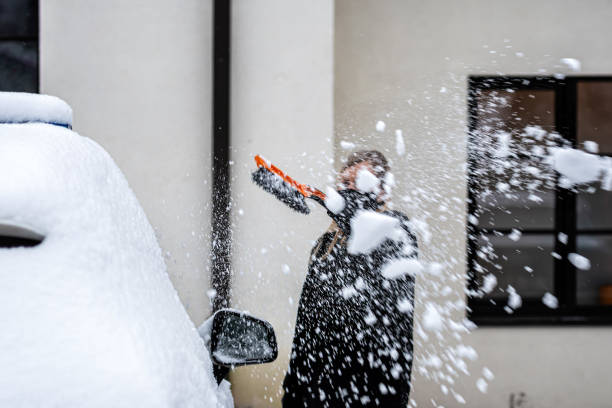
(221,236)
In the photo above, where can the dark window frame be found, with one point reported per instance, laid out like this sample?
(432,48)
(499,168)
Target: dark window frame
(482,311)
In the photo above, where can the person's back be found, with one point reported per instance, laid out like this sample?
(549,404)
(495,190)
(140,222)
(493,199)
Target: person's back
(353,336)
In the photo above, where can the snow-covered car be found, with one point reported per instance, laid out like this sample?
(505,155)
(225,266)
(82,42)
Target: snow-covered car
(88,315)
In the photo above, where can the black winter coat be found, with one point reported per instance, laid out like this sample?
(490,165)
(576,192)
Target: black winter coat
(353,337)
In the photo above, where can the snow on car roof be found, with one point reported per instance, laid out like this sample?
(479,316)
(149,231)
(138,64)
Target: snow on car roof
(89,316)
(20,107)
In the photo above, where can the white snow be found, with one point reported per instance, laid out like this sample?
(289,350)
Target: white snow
(572,63)
(348,292)
(606,182)
(514,299)
(89,316)
(562,237)
(481,384)
(360,283)
(370,319)
(488,283)
(464,351)
(486,373)
(400,267)
(433,361)
(591,147)
(502,187)
(389,180)
(404,305)
(503,141)
(366,182)
(459,398)
(380,126)
(347,145)
(435,268)
(369,229)
(432,320)
(534,198)
(205,331)
(225,399)
(285,268)
(550,300)
(388,184)
(535,131)
(396,370)
(400,146)
(334,201)
(18,107)
(422,228)
(579,261)
(578,167)
(514,235)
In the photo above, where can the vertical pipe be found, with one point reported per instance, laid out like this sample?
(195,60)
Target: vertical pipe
(221,236)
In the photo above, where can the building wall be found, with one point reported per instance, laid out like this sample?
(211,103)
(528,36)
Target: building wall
(406,63)
(282,108)
(138,76)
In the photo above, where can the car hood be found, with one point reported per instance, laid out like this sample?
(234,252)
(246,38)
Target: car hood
(89,316)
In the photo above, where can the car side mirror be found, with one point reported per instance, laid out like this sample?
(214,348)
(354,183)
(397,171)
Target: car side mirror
(239,339)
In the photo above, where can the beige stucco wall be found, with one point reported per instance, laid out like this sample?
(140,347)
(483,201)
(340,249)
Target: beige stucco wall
(138,76)
(282,105)
(406,63)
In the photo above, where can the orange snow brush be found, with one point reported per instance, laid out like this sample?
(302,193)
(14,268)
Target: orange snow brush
(286,189)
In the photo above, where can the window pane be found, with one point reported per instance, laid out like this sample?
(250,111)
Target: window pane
(19,66)
(512,185)
(595,114)
(598,249)
(526,265)
(594,210)
(18,18)
(511,110)
(522,210)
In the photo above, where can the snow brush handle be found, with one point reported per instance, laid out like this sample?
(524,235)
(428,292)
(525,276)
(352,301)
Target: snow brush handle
(304,189)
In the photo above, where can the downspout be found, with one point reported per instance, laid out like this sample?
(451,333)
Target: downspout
(221,236)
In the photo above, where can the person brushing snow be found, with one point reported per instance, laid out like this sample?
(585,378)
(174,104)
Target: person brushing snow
(353,338)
